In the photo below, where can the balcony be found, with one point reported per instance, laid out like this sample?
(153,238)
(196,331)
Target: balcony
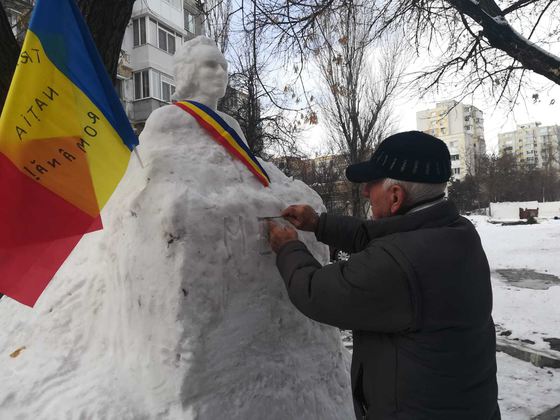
(142,108)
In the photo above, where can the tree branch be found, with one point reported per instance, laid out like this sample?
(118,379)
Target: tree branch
(501,35)
(8,57)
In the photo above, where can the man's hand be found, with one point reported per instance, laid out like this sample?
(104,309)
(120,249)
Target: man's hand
(279,235)
(302,217)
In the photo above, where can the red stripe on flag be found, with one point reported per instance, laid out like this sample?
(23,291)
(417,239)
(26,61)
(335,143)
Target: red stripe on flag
(220,139)
(38,230)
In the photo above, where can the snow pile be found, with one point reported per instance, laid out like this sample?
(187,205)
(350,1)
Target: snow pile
(171,311)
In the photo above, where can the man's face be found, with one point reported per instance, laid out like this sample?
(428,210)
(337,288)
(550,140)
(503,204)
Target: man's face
(384,203)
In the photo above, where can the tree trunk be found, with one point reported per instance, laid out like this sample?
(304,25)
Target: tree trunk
(107,21)
(8,57)
(357,203)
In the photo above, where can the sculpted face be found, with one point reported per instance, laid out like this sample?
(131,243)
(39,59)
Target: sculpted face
(210,72)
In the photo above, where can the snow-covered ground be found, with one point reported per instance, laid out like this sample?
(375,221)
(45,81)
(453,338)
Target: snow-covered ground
(525,390)
(528,313)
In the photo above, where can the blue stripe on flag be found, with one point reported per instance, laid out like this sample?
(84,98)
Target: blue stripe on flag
(69,45)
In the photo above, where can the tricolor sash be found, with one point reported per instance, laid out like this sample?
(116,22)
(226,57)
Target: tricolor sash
(226,136)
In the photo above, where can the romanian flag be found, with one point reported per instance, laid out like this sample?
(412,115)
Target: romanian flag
(65,143)
(226,136)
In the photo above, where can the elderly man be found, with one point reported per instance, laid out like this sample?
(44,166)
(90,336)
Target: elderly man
(415,292)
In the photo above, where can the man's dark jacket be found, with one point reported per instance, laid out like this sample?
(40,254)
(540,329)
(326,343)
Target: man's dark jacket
(416,293)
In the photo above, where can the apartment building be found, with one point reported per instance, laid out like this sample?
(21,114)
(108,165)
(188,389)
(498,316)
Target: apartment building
(156,30)
(532,144)
(461,127)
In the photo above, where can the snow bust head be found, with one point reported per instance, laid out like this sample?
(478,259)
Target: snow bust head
(200,71)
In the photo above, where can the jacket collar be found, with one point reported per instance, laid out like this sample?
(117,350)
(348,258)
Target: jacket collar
(439,214)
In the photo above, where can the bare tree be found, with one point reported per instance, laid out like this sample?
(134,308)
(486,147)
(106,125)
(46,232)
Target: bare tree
(357,108)
(325,175)
(217,18)
(486,45)
(260,107)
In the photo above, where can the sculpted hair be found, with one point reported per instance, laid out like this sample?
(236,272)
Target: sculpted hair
(416,191)
(185,65)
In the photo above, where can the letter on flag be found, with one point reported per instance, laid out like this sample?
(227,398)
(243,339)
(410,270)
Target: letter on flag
(65,143)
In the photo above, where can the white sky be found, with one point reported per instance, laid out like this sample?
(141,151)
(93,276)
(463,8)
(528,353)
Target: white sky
(496,119)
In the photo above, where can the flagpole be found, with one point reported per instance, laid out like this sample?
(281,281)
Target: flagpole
(138,156)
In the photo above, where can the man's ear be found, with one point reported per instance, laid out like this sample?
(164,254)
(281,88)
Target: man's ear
(398,195)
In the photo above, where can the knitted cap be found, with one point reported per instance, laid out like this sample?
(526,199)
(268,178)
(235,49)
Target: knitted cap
(409,156)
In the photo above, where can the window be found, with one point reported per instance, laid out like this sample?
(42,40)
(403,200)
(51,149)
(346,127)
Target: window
(456,171)
(162,37)
(171,44)
(454,157)
(167,90)
(141,84)
(190,24)
(154,84)
(139,31)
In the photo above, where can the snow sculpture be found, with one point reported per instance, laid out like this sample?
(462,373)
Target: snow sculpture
(171,312)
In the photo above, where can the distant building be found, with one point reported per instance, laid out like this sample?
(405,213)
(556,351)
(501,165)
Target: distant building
(325,174)
(235,102)
(461,127)
(532,144)
(239,105)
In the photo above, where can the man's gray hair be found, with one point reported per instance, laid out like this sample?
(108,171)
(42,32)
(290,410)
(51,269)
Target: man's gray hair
(415,191)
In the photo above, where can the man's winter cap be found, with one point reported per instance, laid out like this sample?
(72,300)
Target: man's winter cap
(409,156)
